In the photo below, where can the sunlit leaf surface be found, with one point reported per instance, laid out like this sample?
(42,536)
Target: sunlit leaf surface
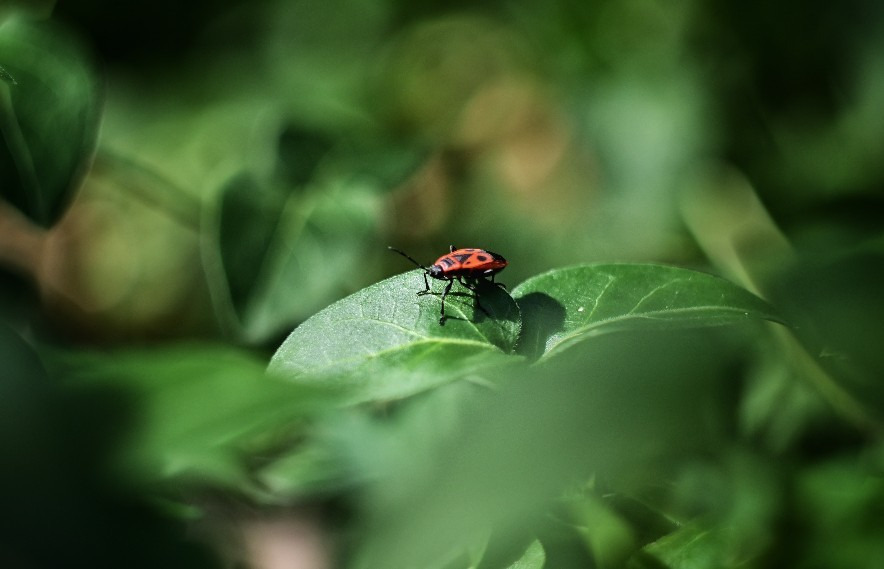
(385,341)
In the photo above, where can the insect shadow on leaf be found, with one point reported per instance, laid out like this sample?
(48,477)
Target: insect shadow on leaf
(542,317)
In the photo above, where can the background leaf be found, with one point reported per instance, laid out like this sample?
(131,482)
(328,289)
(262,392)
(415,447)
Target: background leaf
(275,258)
(385,342)
(836,298)
(565,306)
(48,117)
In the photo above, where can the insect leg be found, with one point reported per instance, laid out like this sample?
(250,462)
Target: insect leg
(427,284)
(474,288)
(444,294)
(466,284)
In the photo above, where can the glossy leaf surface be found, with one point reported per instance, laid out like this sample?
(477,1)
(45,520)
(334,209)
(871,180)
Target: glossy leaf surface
(566,306)
(385,341)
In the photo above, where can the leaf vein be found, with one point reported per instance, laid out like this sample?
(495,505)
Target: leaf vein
(654,291)
(650,315)
(611,280)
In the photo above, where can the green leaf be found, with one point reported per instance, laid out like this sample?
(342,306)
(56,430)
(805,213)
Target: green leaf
(836,298)
(694,546)
(627,400)
(534,557)
(274,259)
(49,113)
(301,151)
(5,76)
(59,441)
(385,341)
(607,535)
(838,502)
(197,408)
(23,390)
(312,470)
(565,306)
(385,161)
(247,218)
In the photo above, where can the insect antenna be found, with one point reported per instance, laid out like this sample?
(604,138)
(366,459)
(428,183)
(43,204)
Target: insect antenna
(407,256)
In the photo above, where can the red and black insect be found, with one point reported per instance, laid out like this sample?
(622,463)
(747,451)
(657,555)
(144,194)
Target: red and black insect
(466,266)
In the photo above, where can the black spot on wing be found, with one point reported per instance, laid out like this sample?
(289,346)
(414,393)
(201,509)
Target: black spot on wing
(496,257)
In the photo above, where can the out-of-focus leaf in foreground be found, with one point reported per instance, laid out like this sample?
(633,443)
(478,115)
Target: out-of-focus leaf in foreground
(839,506)
(197,408)
(514,451)
(534,558)
(57,441)
(385,342)
(49,113)
(565,306)
(694,546)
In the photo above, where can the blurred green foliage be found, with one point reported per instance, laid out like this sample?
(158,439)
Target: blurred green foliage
(198,326)
(50,112)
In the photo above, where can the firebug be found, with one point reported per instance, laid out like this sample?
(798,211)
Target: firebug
(466,266)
